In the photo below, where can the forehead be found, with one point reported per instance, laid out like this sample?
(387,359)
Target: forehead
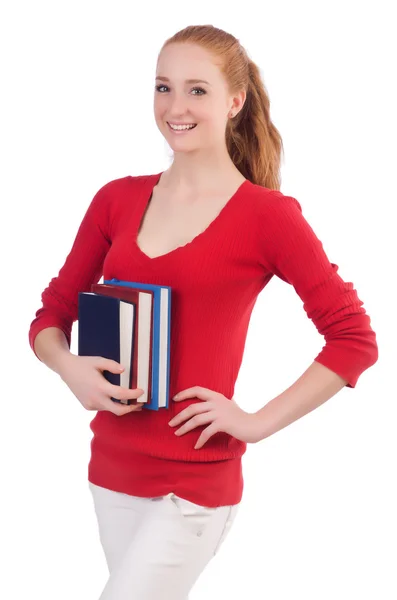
(187,63)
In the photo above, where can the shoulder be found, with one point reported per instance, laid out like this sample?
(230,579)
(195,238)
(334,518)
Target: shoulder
(117,191)
(273,204)
(120,184)
(278,218)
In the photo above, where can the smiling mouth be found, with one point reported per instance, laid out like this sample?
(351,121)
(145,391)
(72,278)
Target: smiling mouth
(184,130)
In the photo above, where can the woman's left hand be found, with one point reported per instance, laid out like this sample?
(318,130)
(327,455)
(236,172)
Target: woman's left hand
(221,413)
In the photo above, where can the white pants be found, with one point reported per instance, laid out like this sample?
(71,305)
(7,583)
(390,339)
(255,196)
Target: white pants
(156,548)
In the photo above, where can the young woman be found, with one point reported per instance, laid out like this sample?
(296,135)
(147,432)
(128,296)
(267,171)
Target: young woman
(214,227)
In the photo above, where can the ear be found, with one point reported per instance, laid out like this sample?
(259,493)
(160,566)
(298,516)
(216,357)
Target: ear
(239,101)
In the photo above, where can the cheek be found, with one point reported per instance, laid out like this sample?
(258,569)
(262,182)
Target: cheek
(159,107)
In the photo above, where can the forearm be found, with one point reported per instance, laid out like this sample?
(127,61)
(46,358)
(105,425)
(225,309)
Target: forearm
(52,348)
(314,387)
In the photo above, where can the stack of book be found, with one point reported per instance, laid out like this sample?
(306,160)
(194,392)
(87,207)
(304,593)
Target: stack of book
(129,322)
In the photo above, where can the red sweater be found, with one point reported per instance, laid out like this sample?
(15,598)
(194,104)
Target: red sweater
(215,281)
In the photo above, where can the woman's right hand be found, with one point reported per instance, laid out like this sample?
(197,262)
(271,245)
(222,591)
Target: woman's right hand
(84,377)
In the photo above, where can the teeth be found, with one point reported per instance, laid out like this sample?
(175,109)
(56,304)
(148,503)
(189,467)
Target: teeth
(181,127)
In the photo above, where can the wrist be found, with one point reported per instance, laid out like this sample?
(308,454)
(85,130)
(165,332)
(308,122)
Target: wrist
(62,362)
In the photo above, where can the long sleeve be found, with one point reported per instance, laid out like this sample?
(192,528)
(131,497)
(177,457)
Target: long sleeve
(82,267)
(292,251)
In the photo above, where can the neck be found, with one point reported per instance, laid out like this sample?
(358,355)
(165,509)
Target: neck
(190,175)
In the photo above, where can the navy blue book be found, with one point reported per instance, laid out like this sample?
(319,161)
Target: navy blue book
(106,328)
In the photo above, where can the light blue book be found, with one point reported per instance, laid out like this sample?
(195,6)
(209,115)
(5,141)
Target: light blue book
(161,339)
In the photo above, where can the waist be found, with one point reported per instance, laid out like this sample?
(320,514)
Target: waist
(147,433)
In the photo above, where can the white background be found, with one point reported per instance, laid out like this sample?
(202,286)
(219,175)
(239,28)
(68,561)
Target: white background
(318,513)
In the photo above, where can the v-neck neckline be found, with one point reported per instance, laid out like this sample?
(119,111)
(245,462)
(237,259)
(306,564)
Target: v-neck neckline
(146,196)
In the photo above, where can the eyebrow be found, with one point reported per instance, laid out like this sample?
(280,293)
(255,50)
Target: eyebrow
(159,77)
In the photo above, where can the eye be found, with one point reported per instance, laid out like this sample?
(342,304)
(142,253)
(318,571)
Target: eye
(201,90)
(157,88)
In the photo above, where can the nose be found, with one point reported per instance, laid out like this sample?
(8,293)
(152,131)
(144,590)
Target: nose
(177,109)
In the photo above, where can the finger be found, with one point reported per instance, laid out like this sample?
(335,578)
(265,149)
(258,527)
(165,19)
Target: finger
(200,419)
(206,435)
(121,410)
(122,393)
(196,392)
(107,364)
(190,411)
(129,403)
